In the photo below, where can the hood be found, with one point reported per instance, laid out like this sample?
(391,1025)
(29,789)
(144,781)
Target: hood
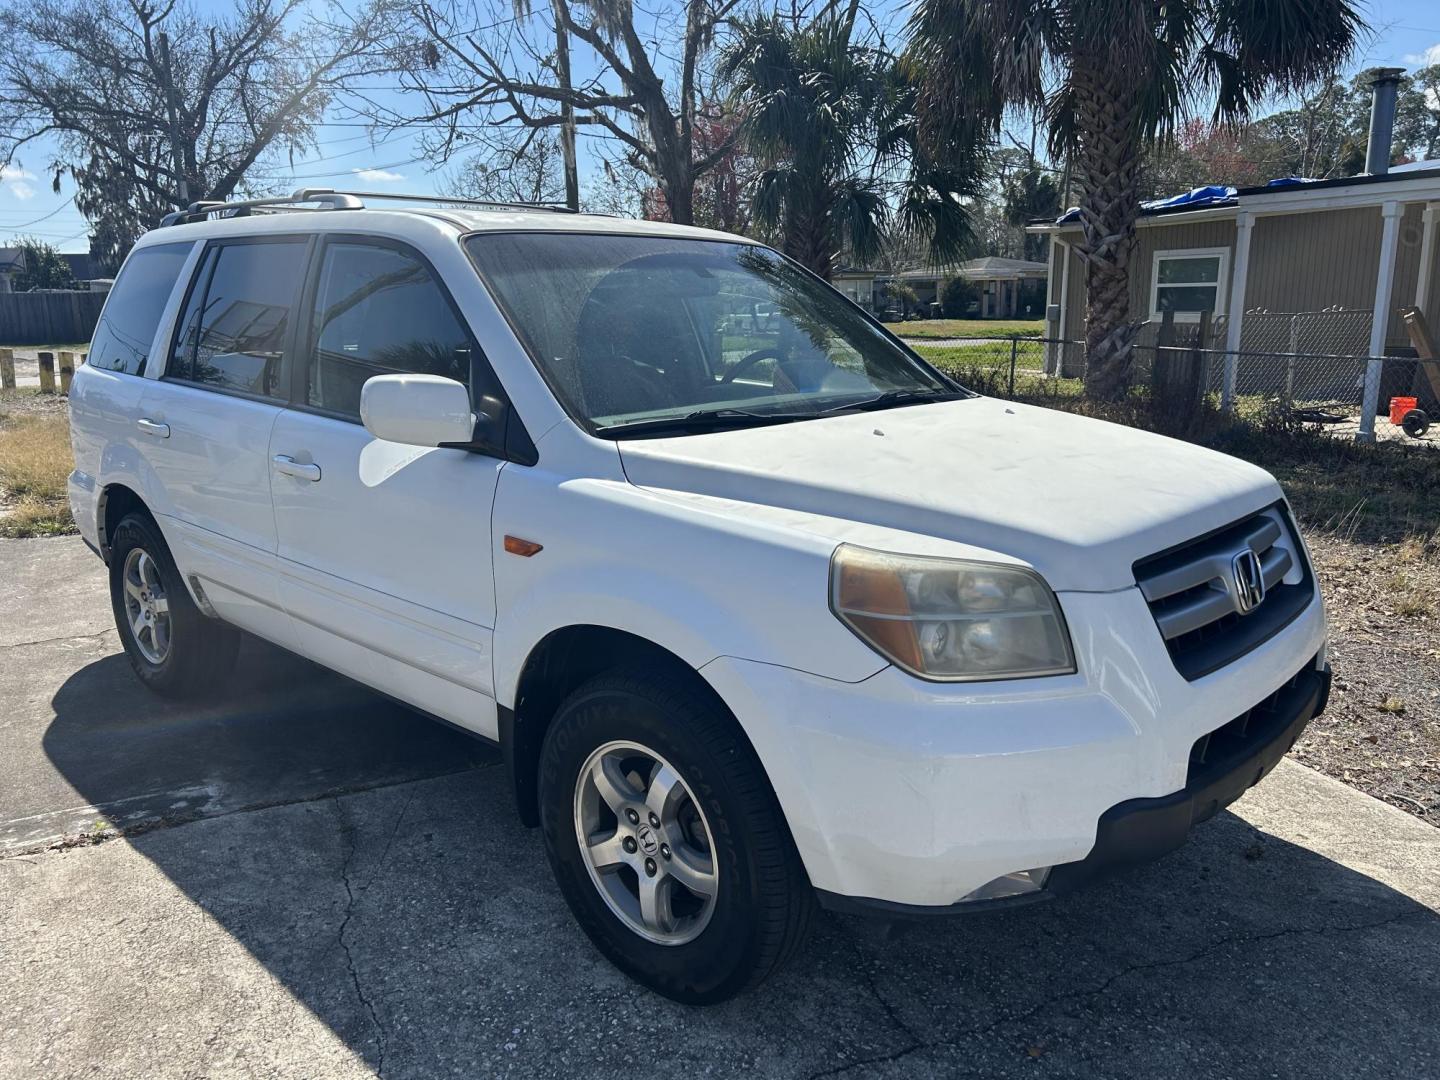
(1078,499)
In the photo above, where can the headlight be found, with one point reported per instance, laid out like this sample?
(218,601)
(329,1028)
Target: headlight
(951,619)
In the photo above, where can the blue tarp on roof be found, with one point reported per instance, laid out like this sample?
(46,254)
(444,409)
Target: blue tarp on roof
(1216,195)
(1210,195)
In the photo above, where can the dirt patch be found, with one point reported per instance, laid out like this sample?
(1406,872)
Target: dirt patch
(1381,732)
(28,401)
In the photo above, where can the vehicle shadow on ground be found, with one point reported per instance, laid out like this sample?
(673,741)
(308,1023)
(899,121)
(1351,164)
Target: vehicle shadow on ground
(280,730)
(420,923)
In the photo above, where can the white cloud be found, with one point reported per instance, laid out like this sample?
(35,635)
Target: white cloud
(378,176)
(14,179)
(1426,58)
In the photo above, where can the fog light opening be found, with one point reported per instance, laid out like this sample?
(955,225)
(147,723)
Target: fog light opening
(1019,883)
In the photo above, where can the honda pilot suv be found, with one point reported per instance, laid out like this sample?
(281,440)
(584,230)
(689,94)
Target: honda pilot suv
(761,609)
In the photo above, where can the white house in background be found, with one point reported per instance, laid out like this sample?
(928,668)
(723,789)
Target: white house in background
(12,262)
(1009,288)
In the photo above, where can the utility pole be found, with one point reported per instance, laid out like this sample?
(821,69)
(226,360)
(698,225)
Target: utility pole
(567,109)
(177,159)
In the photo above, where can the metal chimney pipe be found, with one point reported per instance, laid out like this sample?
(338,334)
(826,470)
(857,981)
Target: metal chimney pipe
(1383,88)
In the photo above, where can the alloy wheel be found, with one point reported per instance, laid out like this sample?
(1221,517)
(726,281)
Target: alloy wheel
(146,607)
(646,843)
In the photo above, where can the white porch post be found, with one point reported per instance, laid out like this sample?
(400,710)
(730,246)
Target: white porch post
(1235,308)
(1064,249)
(1427,254)
(1052,330)
(1380,320)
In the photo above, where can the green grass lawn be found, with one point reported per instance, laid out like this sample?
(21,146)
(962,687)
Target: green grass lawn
(961,361)
(944,328)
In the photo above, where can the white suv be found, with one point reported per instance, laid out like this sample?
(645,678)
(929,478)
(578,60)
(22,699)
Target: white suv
(760,608)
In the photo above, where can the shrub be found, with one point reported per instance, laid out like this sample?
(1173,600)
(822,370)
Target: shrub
(956,296)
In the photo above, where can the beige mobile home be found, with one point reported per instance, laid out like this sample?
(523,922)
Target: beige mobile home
(1320,268)
(1364,245)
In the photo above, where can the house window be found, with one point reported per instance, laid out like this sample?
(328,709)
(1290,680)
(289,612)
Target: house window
(1188,282)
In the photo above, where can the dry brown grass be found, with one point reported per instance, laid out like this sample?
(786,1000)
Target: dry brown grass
(35,459)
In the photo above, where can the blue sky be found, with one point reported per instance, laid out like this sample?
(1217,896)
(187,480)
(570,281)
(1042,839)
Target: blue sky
(1405,33)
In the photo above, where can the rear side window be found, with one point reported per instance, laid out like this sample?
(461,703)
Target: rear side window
(379,311)
(132,311)
(236,322)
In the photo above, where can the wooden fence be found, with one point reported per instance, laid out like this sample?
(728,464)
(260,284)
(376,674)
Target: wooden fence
(49,318)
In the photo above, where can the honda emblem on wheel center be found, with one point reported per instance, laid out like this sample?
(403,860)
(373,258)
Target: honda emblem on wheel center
(649,842)
(1249,581)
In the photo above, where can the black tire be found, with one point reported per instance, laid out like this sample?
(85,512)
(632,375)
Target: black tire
(200,651)
(1415,423)
(764,900)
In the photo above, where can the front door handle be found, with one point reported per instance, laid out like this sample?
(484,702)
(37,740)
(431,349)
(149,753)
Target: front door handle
(150,427)
(288,466)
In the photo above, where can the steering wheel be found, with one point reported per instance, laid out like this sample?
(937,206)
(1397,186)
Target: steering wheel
(750,361)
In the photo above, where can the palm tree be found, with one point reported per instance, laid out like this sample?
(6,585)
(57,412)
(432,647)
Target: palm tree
(1112,76)
(831,125)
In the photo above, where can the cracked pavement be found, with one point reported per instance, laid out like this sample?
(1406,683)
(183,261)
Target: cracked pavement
(321,884)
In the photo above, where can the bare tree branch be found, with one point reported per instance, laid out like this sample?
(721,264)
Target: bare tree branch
(469,69)
(151,99)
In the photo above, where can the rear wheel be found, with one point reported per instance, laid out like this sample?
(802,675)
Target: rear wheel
(666,839)
(172,646)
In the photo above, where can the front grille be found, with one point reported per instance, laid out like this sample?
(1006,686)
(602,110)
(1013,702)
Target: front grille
(1199,605)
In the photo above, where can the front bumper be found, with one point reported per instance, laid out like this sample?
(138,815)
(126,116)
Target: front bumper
(1142,830)
(903,795)
(1138,831)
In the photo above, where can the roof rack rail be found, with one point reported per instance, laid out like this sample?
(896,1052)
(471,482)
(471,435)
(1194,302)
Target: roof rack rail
(543,207)
(330,199)
(199,211)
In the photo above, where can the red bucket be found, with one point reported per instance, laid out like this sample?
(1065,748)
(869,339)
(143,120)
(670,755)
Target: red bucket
(1399,406)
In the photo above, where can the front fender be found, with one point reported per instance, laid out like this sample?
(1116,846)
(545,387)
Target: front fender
(697,582)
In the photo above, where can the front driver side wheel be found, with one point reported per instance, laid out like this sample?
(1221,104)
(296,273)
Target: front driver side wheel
(666,838)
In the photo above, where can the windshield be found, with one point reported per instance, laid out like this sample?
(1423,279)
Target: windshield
(635,331)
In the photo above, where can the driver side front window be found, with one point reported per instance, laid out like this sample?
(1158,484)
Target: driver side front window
(379,311)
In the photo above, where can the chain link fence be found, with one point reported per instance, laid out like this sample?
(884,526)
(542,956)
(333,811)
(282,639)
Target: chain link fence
(1332,332)
(1306,386)
(1005,365)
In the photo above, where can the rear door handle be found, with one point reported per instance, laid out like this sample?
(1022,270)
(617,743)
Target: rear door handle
(150,427)
(288,466)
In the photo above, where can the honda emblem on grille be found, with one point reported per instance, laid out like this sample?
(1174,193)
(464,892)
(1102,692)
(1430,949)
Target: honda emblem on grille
(1249,581)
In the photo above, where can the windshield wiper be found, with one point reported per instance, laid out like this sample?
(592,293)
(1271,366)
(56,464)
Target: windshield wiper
(718,419)
(700,420)
(907,396)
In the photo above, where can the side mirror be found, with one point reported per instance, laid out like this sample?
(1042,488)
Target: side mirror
(419,410)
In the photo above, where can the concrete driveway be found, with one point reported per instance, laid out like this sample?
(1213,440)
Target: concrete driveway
(334,888)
